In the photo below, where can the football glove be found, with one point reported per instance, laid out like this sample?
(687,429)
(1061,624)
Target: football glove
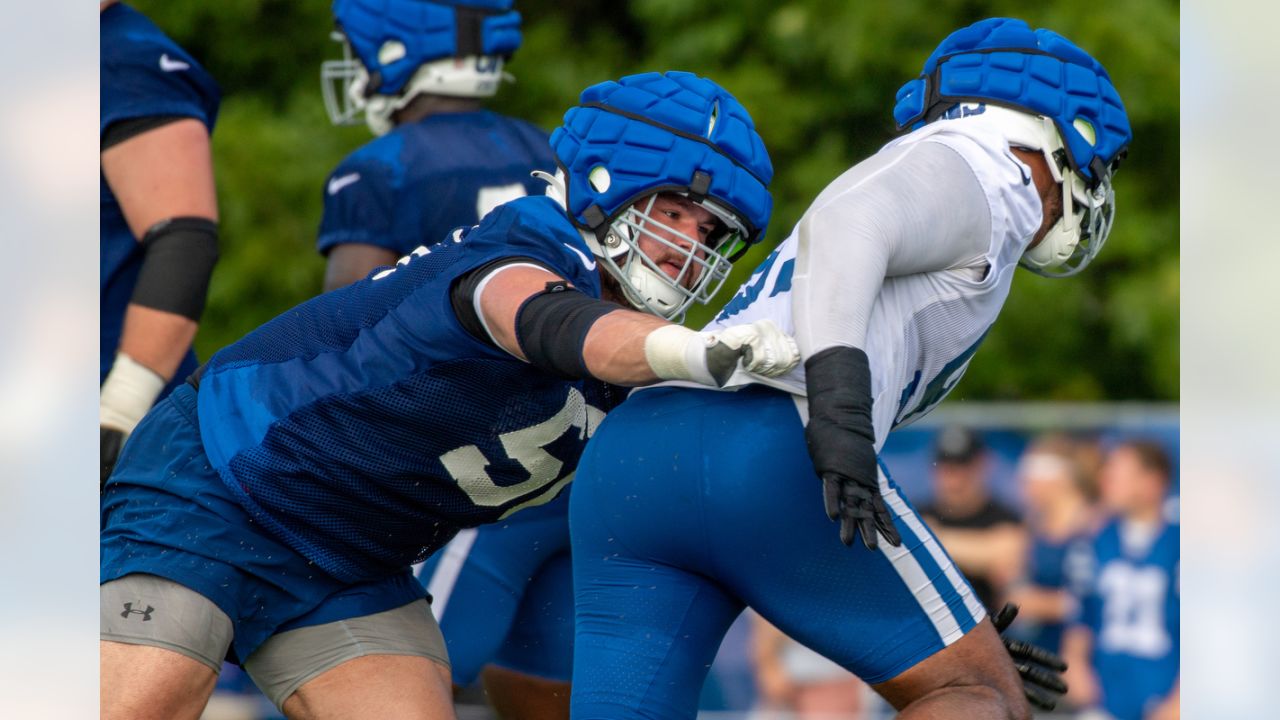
(1041,670)
(710,358)
(841,441)
(126,395)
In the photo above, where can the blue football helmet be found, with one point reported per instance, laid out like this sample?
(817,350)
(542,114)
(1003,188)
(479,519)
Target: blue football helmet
(630,140)
(1048,95)
(395,49)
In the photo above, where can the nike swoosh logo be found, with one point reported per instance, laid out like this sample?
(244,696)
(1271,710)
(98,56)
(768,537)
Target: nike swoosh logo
(168,64)
(1026,179)
(588,263)
(336,184)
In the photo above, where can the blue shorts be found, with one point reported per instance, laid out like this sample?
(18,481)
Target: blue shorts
(689,505)
(503,594)
(166,512)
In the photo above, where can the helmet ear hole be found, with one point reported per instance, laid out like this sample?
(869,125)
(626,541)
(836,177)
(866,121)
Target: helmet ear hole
(599,179)
(391,51)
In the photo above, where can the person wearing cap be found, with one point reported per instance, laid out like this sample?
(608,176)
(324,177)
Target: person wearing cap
(984,536)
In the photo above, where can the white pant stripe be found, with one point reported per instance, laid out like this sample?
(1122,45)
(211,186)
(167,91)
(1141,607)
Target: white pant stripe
(446,575)
(908,568)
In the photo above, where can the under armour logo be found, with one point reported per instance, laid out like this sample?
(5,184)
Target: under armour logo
(128,610)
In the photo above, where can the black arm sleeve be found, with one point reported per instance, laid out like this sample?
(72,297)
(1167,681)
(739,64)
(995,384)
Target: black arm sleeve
(180,255)
(118,132)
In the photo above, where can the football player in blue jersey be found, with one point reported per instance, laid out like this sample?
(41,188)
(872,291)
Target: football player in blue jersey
(271,508)
(441,161)
(692,504)
(418,71)
(1124,648)
(159,214)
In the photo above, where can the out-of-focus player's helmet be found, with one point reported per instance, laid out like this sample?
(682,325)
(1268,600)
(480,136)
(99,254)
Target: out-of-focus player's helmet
(629,140)
(1060,101)
(394,50)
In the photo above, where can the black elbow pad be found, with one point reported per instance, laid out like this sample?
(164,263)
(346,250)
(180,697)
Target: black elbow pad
(552,327)
(179,257)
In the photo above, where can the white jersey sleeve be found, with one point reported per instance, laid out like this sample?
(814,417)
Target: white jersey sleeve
(908,255)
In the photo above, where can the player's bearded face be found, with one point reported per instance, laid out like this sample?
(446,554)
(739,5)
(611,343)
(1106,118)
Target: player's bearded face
(675,221)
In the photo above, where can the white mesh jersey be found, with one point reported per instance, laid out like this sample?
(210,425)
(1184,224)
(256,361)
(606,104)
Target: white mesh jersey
(941,240)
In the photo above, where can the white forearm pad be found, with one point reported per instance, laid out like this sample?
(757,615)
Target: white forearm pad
(127,393)
(678,353)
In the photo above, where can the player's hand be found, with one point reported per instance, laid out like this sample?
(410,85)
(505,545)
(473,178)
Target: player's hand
(763,347)
(1041,670)
(110,441)
(710,358)
(841,441)
(127,394)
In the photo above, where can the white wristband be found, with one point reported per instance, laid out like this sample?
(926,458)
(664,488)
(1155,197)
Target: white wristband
(127,393)
(678,353)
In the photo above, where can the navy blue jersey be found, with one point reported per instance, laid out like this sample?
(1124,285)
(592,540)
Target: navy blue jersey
(366,426)
(422,179)
(1132,607)
(143,74)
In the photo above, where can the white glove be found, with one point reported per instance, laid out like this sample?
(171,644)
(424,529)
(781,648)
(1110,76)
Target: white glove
(677,353)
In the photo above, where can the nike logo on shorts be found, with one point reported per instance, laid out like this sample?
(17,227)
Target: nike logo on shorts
(336,184)
(589,264)
(168,64)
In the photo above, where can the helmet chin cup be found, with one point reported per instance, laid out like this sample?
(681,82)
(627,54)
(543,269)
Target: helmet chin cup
(654,291)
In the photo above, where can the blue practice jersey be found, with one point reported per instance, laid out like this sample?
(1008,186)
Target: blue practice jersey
(143,74)
(1057,564)
(1132,608)
(366,426)
(422,179)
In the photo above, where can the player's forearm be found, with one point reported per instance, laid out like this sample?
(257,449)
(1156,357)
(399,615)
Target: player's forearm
(156,339)
(350,262)
(614,350)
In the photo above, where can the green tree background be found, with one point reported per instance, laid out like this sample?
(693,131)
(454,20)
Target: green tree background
(818,76)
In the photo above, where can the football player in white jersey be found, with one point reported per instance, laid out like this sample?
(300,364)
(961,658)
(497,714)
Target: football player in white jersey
(690,505)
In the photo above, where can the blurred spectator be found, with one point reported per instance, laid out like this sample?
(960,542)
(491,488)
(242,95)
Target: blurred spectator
(1124,649)
(983,536)
(798,681)
(1055,488)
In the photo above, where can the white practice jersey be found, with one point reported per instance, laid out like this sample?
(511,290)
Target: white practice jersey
(933,306)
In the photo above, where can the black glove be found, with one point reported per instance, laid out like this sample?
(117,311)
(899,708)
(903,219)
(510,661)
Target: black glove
(841,442)
(110,440)
(1040,669)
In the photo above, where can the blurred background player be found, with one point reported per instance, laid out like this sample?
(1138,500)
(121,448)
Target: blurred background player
(159,232)
(272,506)
(1124,648)
(984,536)
(798,683)
(442,161)
(1060,521)
(418,72)
(690,505)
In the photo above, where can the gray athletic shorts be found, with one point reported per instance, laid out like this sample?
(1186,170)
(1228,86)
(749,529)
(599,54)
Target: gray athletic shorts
(147,610)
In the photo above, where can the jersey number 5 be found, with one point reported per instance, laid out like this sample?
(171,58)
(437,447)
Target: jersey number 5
(467,465)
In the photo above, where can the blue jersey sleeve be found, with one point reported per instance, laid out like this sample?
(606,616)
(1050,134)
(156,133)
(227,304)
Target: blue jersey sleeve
(536,228)
(144,74)
(360,205)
